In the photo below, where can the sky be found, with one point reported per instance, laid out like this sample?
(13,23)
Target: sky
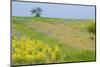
(54,10)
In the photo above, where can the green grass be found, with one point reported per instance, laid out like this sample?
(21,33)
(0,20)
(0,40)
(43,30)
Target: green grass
(75,45)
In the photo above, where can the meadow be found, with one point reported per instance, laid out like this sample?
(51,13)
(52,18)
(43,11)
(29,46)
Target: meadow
(52,40)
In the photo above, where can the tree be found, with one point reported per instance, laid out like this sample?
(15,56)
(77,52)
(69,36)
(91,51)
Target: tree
(37,11)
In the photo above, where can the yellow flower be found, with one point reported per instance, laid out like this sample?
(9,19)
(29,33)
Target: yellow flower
(29,50)
(40,55)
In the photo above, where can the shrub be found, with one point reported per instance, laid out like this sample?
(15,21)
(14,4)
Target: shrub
(91,28)
(26,50)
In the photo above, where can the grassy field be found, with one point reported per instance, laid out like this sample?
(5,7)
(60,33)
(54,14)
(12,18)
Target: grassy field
(51,40)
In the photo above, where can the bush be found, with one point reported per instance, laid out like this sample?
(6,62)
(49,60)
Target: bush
(31,51)
(92,28)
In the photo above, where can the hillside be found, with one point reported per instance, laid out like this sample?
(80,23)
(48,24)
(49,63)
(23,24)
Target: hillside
(51,40)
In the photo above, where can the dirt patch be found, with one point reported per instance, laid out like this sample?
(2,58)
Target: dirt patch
(72,36)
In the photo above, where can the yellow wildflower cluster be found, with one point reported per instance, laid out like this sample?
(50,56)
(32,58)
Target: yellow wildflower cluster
(32,51)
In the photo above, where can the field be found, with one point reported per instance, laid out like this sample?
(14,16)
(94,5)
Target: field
(51,40)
